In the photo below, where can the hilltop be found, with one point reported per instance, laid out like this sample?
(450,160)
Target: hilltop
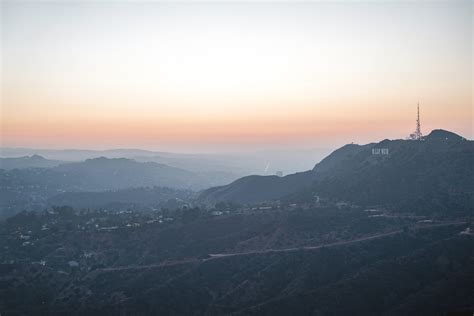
(33,161)
(437,170)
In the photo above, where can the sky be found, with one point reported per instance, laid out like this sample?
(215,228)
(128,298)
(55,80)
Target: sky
(217,76)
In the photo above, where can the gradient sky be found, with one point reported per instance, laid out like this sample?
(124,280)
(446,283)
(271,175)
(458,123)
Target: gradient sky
(211,76)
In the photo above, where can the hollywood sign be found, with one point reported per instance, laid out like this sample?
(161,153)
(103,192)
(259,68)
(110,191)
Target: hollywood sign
(379,151)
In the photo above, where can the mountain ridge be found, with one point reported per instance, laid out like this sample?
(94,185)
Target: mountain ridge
(33,161)
(437,168)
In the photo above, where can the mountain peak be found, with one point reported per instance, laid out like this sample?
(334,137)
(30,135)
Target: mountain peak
(103,159)
(37,157)
(441,134)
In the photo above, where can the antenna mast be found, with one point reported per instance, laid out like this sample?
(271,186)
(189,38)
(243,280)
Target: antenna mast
(418,134)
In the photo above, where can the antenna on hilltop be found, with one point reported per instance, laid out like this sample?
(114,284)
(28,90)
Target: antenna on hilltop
(417,135)
(418,128)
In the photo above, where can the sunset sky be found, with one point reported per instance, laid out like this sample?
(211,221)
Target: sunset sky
(212,76)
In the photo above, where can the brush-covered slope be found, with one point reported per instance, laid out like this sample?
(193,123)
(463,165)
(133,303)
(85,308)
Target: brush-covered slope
(255,189)
(400,173)
(435,173)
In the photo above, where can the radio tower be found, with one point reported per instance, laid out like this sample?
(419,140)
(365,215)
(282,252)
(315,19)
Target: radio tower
(418,134)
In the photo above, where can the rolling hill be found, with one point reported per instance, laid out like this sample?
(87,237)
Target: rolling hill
(31,188)
(437,170)
(34,161)
(254,189)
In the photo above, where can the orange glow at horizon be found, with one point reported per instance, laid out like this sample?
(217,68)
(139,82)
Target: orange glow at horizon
(278,128)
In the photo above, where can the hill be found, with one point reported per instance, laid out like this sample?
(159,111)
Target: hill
(118,173)
(443,135)
(30,189)
(254,189)
(34,161)
(435,174)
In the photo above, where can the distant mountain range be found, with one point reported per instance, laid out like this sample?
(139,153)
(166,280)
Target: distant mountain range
(220,167)
(437,170)
(226,166)
(34,161)
(106,174)
(118,173)
(32,187)
(76,154)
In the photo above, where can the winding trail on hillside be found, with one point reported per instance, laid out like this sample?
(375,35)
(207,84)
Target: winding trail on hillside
(217,256)
(334,244)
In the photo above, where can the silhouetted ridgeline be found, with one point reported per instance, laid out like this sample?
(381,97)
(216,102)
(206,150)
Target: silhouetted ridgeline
(432,175)
(31,188)
(34,161)
(255,189)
